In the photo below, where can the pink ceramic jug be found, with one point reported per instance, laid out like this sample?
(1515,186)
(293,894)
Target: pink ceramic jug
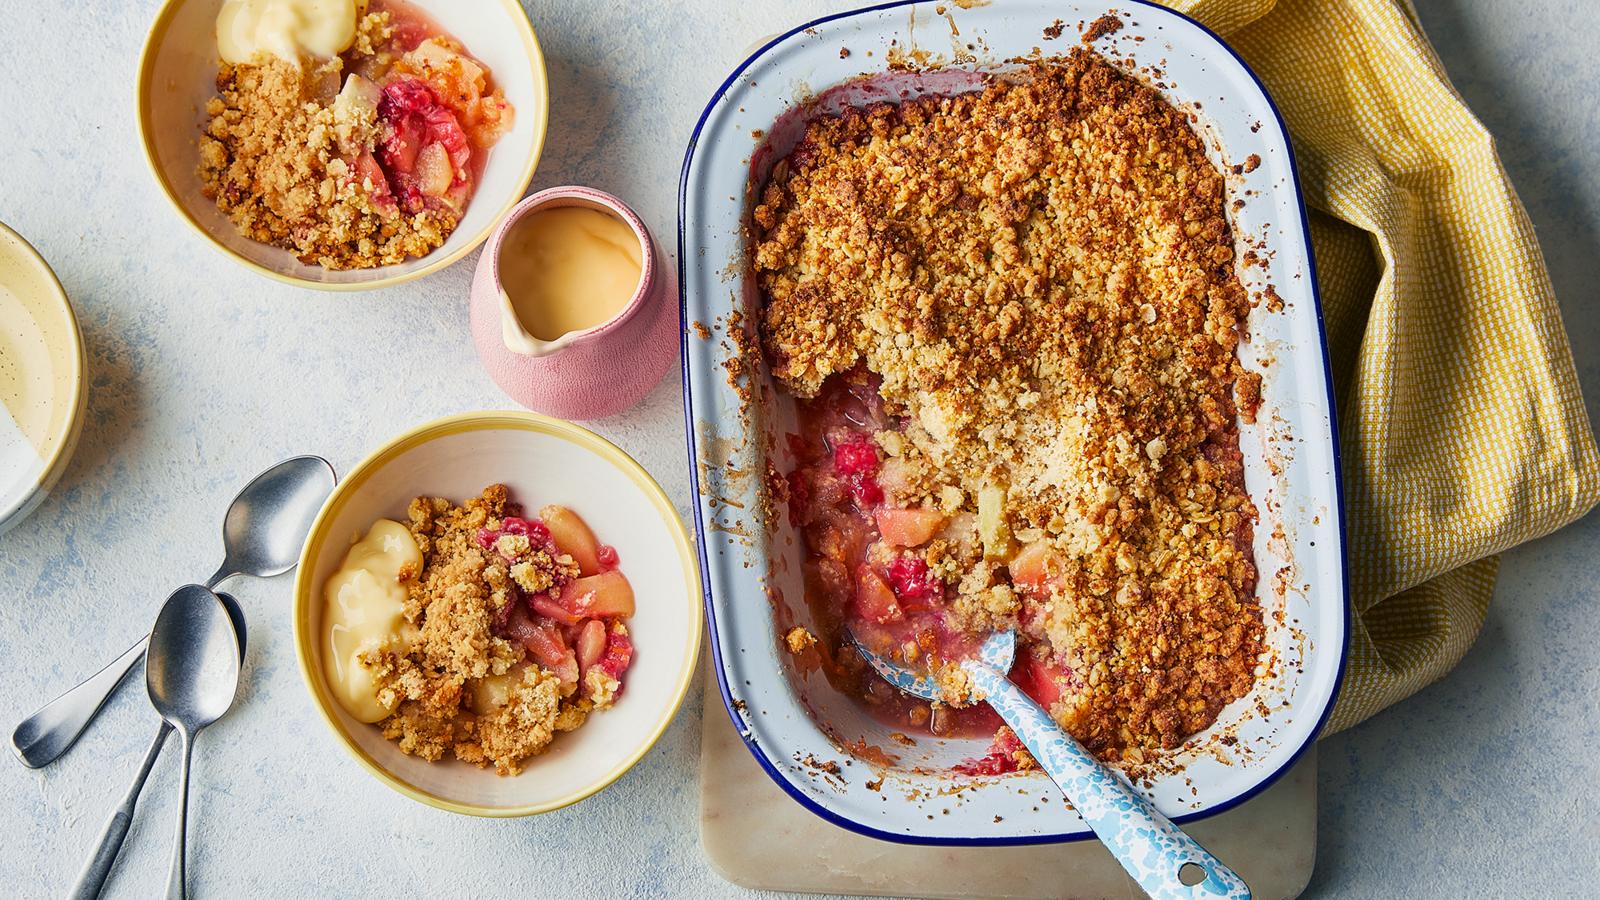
(588,374)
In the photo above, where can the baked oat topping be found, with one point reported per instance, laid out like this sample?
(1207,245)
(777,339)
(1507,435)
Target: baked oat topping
(1036,284)
(354,161)
(509,644)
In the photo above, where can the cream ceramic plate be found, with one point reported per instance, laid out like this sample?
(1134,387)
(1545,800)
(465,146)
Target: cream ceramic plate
(41,378)
(543,461)
(177,75)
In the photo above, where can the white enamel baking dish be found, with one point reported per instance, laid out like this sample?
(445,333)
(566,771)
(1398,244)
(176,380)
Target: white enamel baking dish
(793,721)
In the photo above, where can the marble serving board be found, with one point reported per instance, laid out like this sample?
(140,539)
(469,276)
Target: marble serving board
(757,837)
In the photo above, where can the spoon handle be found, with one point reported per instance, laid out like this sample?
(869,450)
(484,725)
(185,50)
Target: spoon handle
(41,738)
(92,880)
(1152,849)
(48,733)
(177,882)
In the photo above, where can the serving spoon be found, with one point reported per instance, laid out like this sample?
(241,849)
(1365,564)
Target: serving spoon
(92,880)
(1167,863)
(262,534)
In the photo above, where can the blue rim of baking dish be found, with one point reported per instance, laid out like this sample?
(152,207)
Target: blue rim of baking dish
(694,473)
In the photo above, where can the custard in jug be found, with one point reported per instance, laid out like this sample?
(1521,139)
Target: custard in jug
(569,269)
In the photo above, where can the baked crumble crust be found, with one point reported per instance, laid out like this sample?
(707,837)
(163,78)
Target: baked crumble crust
(1042,275)
(273,158)
(453,603)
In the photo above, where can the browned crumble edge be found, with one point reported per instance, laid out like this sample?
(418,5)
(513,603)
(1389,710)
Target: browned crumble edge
(1099,28)
(452,603)
(1042,274)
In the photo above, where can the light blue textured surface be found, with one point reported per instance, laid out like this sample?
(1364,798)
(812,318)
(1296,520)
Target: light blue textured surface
(202,374)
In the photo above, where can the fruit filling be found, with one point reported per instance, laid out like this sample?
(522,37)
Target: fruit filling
(362,158)
(478,630)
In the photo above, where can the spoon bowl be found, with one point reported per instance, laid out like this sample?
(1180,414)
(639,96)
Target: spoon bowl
(192,664)
(268,520)
(192,675)
(996,652)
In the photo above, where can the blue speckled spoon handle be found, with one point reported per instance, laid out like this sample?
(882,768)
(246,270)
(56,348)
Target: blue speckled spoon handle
(1145,842)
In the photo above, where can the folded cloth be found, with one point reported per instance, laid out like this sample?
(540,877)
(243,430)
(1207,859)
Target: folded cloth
(1462,429)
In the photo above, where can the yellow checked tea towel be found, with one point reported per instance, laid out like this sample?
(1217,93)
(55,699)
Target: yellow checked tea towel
(1462,429)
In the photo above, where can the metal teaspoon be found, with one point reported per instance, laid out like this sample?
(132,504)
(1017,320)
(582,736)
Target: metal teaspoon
(262,535)
(92,880)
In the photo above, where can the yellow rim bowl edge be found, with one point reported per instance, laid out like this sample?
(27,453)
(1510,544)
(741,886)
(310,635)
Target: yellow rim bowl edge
(67,440)
(304,591)
(541,86)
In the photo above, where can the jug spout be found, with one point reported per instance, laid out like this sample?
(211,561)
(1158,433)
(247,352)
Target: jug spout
(516,336)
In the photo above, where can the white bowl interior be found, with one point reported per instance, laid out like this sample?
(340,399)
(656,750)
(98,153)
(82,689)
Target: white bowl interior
(182,76)
(789,714)
(539,468)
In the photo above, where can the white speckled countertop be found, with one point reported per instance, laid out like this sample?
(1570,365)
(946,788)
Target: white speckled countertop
(202,374)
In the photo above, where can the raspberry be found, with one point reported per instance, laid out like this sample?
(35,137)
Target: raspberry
(486,538)
(1001,758)
(911,580)
(417,119)
(607,557)
(619,653)
(535,530)
(866,490)
(405,95)
(856,456)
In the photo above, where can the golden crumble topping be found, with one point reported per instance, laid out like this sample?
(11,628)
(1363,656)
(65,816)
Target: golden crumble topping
(454,603)
(274,158)
(298,156)
(799,640)
(1042,275)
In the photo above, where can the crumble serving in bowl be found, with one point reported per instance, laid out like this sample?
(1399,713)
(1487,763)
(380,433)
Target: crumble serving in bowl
(362,157)
(1010,318)
(347,143)
(476,631)
(447,655)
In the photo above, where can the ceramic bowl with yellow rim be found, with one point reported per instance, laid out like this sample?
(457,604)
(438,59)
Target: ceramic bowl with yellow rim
(542,461)
(41,379)
(177,76)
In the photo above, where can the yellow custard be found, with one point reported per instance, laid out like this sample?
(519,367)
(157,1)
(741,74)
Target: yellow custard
(284,28)
(568,269)
(364,609)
